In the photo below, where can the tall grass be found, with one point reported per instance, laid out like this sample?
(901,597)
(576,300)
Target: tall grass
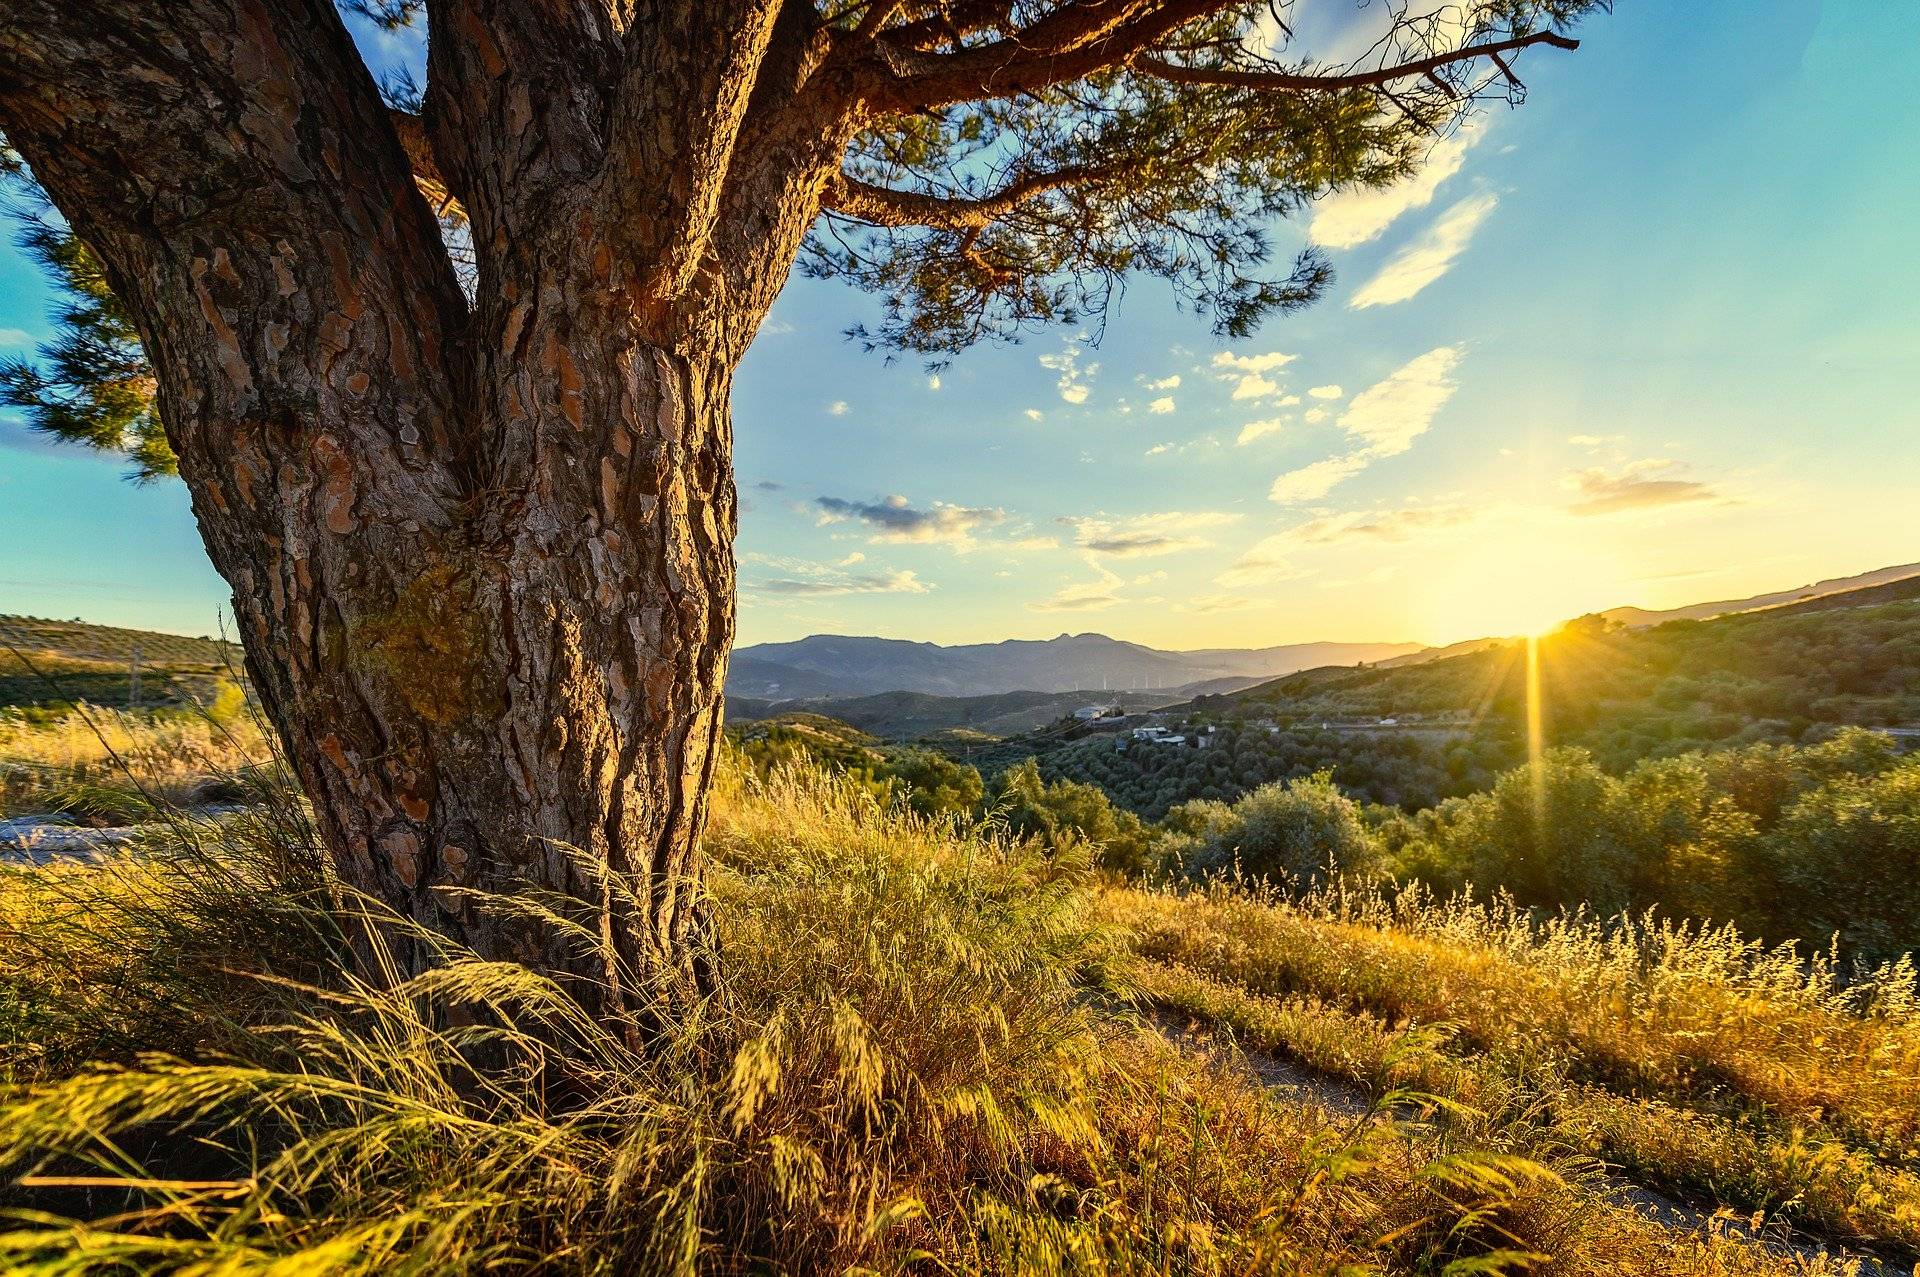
(919,1062)
(111,766)
(1699,1061)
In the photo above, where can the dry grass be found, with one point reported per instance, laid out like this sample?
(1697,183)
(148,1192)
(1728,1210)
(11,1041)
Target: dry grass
(116,767)
(921,1063)
(1700,1063)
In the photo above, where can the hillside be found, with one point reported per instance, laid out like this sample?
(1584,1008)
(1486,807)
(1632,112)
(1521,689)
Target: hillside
(1342,1081)
(913,715)
(831,665)
(47,663)
(1640,617)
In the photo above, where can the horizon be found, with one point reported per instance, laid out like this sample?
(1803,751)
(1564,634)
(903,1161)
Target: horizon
(1518,404)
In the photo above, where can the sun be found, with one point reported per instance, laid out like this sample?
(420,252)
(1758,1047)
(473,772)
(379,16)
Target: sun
(1525,582)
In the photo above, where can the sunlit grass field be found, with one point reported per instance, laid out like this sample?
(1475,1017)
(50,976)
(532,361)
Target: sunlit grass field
(936,1050)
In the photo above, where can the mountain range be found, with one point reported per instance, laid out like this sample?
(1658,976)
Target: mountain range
(834,666)
(838,665)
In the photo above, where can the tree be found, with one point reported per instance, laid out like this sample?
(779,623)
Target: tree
(478,523)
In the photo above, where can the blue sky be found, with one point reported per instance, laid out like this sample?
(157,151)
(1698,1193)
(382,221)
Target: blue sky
(1652,338)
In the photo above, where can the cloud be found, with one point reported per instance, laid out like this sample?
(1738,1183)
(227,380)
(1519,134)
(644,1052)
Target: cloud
(1252,363)
(1389,415)
(833,584)
(897,520)
(1383,421)
(1085,596)
(1259,429)
(1034,414)
(1165,383)
(1310,483)
(1161,405)
(1254,386)
(1314,416)
(1265,561)
(851,559)
(1639,485)
(1073,379)
(1169,532)
(15,337)
(1594,441)
(1326,392)
(1349,218)
(838,408)
(933,381)
(1220,603)
(1429,257)
(1158,448)
(775,328)
(1387,525)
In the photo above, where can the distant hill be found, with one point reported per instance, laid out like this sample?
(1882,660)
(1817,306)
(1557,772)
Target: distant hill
(47,663)
(834,665)
(1638,617)
(912,715)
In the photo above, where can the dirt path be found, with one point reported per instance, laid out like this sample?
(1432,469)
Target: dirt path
(1348,1099)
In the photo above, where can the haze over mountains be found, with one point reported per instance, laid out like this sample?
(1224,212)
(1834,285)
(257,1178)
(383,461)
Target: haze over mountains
(841,665)
(831,666)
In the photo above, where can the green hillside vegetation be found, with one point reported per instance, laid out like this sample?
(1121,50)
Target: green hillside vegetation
(47,665)
(939,1046)
(1793,674)
(915,715)
(1778,675)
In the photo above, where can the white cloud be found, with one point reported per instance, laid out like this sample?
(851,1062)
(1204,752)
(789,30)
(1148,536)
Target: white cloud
(933,381)
(1157,449)
(1429,257)
(810,580)
(1252,363)
(1260,429)
(1388,416)
(1349,218)
(1034,414)
(1171,382)
(1085,596)
(1161,405)
(15,337)
(851,559)
(1168,532)
(838,408)
(1254,386)
(1073,379)
(1310,483)
(1326,392)
(1594,441)
(1314,416)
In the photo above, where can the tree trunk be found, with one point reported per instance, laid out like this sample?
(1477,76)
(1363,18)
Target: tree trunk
(529,696)
(479,547)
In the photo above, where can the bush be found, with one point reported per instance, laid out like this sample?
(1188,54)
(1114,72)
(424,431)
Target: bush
(1296,832)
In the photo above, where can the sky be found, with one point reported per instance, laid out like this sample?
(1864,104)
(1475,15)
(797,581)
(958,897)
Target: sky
(1652,338)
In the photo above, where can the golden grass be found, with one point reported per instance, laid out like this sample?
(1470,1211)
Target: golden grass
(115,766)
(921,1063)
(1699,1063)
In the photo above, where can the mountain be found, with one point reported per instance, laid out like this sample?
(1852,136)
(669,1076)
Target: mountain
(844,665)
(1637,617)
(909,715)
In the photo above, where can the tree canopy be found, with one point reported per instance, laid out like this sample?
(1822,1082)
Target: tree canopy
(1003,164)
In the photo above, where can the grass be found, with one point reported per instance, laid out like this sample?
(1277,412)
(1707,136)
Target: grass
(114,768)
(923,1061)
(1698,1061)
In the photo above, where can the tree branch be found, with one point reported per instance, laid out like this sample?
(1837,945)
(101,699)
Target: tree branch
(1285,81)
(1068,44)
(886,206)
